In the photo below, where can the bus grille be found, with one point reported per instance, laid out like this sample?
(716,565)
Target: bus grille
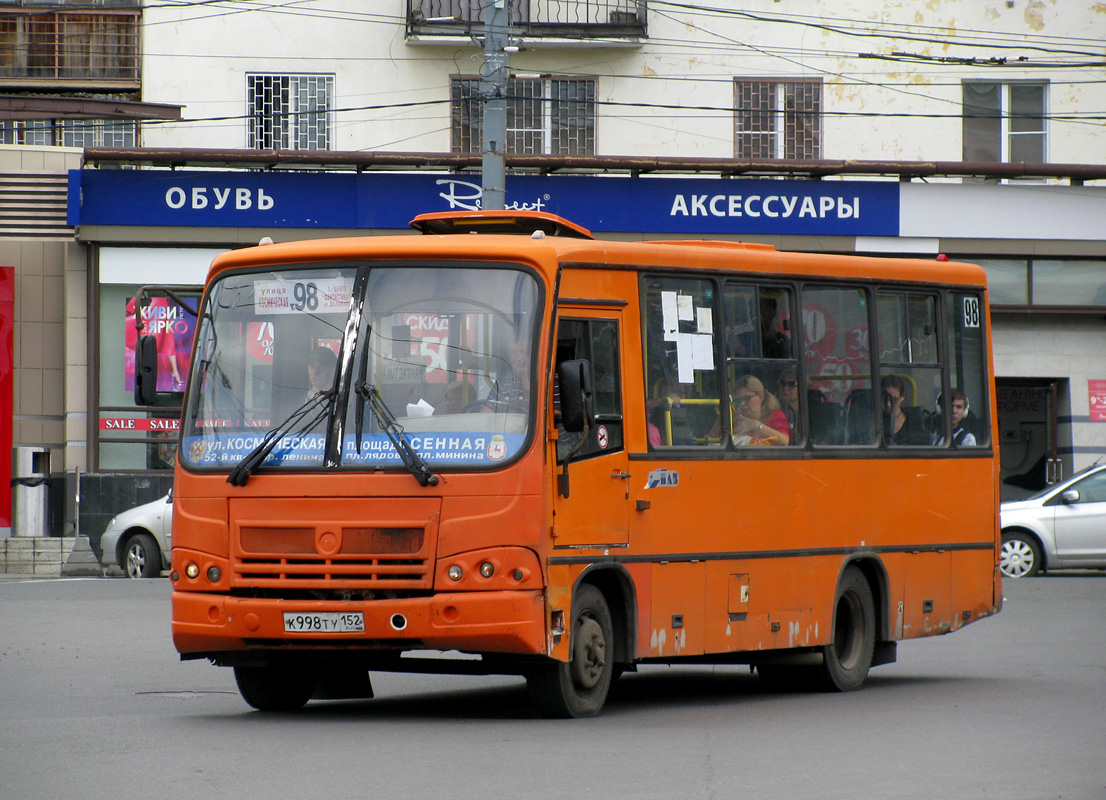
(333,557)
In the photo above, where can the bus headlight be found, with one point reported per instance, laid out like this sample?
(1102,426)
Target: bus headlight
(192,570)
(490,569)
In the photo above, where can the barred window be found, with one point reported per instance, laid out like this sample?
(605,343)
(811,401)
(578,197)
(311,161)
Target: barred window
(97,133)
(778,118)
(289,112)
(544,115)
(70,133)
(85,44)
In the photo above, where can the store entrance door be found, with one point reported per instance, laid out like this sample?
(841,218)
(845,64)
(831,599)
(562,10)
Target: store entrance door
(1027,436)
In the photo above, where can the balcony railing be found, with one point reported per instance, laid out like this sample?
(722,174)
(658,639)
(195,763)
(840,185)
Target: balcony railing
(568,19)
(98,48)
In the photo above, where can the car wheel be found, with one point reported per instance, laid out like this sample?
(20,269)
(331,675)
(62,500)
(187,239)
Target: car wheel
(1020,556)
(141,557)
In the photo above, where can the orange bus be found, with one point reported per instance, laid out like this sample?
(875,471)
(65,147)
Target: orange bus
(565,457)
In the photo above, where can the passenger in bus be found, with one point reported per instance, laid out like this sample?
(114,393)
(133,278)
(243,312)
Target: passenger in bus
(901,424)
(511,390)
(787,387)
(664,409)
(757,416)
(774,344)
(321,366)
(961,436)
(453,399)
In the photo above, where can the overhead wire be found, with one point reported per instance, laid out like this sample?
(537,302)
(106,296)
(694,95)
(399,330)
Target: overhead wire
(726,46)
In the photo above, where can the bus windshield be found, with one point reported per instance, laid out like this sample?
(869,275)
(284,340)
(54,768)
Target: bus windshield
(326,365)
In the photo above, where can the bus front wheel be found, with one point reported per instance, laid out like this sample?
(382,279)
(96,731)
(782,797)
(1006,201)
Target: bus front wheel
(848,657)
(276,687)
(578,688)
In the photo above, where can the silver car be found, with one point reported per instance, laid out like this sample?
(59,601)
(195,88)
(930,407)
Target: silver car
(1062,527)
(139,540)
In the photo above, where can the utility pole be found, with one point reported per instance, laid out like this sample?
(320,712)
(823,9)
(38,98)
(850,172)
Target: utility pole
(493,94)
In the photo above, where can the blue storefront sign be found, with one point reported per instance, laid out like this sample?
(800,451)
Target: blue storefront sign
(698,206)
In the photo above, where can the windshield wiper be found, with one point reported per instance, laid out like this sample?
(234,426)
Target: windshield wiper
(314,411)
(407,454)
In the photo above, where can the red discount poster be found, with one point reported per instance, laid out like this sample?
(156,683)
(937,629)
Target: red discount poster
(1097,391)
(7,381)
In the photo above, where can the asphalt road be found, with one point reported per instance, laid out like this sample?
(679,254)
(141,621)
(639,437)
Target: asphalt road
(94,703)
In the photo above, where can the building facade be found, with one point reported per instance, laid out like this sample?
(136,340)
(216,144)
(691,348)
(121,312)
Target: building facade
(973,130)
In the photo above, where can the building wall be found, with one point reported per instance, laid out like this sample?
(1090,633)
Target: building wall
(671,93)
(50,320)
(1065,349)
(50,345)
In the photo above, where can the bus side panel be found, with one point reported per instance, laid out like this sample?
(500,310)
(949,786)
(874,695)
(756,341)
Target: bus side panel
(788,527)
(764,604)
(677,618)
(927,594)
(975,578)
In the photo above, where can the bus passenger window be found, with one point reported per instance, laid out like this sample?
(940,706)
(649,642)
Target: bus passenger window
(838,365)
(910,372)
(682,393)
(966,317)
(762,378)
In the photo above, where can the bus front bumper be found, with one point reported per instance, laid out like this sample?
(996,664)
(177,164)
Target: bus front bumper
(474,622)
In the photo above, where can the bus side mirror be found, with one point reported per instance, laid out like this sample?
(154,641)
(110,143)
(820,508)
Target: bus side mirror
(145,370)
(575,391)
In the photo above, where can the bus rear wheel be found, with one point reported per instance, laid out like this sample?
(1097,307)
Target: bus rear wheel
(276,687)
(578,688)
(848,657)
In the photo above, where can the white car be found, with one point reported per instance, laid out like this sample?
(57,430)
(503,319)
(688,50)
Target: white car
(1062,527)
(139,540)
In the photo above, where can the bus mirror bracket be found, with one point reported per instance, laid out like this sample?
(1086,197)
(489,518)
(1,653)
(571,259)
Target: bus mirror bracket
(577,415)
(145,351)
(145,370)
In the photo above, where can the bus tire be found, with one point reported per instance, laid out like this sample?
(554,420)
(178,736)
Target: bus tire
(848,657)
(276,687)
(578,688)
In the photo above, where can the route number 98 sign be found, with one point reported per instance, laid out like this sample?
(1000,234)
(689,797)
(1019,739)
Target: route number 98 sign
(323,296)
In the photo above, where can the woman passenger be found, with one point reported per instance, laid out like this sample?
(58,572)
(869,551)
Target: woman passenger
(757,416)
(788,389)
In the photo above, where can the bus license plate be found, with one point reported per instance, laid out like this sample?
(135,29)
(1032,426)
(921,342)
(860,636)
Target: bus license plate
(328,622)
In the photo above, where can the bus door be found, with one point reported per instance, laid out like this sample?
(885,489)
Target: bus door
(596,510)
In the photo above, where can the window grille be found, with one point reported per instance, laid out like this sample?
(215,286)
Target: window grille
(290,112)
(778,119)
(544,116)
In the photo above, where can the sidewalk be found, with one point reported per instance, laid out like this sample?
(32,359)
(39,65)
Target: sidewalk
(48,557)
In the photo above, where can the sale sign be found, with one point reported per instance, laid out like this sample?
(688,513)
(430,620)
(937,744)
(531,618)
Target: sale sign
(1096,389)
